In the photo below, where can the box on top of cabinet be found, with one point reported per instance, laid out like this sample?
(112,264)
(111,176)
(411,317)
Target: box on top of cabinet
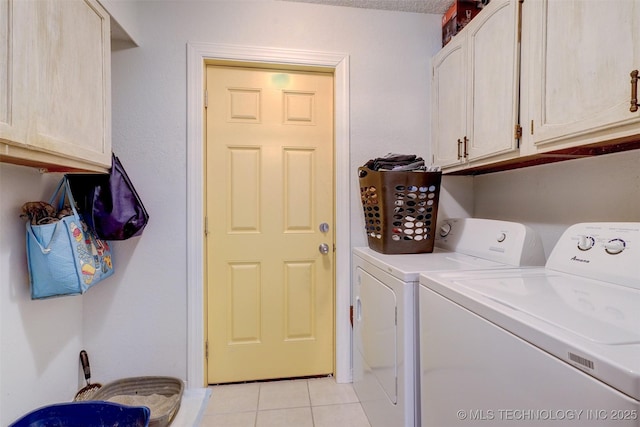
(459,15)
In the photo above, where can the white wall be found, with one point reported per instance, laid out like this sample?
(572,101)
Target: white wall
(551,197)
(39,340)
(124,23)
(138,325)
(135,322)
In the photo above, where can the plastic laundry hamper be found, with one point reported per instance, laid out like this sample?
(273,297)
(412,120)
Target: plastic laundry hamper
(400,209)
(85,414)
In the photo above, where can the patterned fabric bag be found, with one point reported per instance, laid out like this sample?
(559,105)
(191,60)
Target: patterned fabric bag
(64,256)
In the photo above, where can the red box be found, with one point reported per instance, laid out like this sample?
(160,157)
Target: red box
(459,15)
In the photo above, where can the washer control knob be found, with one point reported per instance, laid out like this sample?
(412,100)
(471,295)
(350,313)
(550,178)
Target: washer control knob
(501,237)
(614,246)
(586,242)
(445,229)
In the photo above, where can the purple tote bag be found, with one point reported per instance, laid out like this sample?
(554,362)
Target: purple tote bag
(109,203)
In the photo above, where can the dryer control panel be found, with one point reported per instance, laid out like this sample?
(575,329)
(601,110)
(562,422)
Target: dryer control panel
(604,251)
(506,242)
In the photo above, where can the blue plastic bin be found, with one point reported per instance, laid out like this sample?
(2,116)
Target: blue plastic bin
(86,414)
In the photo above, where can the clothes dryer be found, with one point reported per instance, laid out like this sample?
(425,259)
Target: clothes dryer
(557,345)
(385,326)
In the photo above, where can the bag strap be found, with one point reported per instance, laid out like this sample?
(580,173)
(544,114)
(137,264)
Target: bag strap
(114,161)
(69,195)
(63,191)
(54,196)
(35,239)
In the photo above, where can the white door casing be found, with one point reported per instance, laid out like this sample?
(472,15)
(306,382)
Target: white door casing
(197,55)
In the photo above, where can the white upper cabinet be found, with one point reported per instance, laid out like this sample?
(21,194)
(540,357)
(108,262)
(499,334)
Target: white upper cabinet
(13,75)
(493,56)
(475,90)
(56,113)
(577,72)
(449,91)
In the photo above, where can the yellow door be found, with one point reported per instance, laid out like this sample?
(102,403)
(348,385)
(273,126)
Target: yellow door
(269,208)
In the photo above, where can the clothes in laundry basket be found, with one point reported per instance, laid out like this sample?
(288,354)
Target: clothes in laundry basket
(398,162)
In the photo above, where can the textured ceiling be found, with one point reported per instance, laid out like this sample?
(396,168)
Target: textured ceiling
(417,6)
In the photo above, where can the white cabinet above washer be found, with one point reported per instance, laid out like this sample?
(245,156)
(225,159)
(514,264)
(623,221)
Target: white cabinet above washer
(575,94)
(56,111)
(475,90)
(577,60)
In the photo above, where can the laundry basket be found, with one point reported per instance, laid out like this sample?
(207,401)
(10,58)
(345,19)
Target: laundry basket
(162,395)
(85,414)
(400,209)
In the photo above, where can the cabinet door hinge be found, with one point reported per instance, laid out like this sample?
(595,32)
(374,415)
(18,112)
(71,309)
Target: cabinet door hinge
(517,134)
(206,98)
(531,127)
(206,350)
(206,225)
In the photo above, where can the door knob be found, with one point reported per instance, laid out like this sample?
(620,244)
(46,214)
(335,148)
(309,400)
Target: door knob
(323,248)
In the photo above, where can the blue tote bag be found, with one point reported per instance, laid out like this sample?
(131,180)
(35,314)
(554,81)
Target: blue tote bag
(65,257)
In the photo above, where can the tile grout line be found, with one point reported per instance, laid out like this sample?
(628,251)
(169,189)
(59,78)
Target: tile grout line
(313,421)
(321,403)
(255,418)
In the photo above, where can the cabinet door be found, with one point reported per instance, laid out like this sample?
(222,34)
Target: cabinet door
(70,79)
(493,74)
(13,123)
(449,102)
(579,60)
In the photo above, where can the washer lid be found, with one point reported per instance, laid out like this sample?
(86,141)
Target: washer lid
(407,267)
(590,324)
(596,311)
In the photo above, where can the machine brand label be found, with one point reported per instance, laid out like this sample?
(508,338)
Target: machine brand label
(575,258)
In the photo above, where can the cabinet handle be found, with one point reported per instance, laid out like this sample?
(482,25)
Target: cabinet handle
(466,154)
(459,145)
(634,91)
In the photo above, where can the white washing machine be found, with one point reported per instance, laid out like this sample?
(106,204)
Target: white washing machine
(551,346)
(385,372)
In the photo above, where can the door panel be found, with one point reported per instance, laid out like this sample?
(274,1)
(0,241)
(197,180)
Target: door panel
(379,332)
(449,100)
(494,83)
(269,166)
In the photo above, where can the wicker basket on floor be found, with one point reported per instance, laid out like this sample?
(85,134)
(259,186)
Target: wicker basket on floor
(169,387)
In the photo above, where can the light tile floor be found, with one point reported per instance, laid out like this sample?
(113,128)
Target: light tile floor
(317,402)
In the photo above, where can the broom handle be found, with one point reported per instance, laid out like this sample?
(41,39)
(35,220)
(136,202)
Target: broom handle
(84,360)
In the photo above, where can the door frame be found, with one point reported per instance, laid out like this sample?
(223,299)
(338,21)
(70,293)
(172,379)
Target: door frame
(197,55)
